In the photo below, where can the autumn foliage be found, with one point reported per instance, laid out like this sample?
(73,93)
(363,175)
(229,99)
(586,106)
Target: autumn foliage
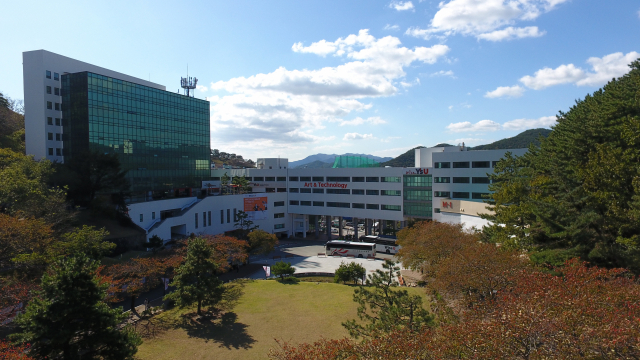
(13,352)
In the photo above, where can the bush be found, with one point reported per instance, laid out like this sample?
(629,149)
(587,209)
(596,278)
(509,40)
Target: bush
(282,268)
(289,280)
(349,272)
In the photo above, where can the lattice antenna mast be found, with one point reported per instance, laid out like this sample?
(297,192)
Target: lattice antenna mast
(188,84)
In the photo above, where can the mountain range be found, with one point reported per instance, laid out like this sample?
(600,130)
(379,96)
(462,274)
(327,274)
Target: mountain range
(326,160)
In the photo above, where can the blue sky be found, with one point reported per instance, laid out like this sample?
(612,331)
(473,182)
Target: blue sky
(292,79)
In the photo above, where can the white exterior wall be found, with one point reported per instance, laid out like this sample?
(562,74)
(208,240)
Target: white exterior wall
(35,64)
(469,222)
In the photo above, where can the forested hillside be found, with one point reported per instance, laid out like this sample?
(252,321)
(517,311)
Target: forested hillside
(520,141)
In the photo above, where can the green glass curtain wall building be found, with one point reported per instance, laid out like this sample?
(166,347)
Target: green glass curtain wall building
(161,138)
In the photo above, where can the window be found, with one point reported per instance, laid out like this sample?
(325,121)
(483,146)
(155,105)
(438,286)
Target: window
(56,76)
(395,179)
(480,196)
(228,216)
(281,178)
(278,226)
(442,165)
(281,190)
(339,191)
(390,192)
(318,178)
(480,180)
(141,217)
(49,105)
(391,207)
(293,190)
(293,178)
(460,180)
(196,214)
(270,178)
(258,178)
(153,215)
(209,218)
(436,210)
(373,192)
(481,164)
(494,163)
(57,137)
(58,152)
(305,178)
(417,180)
(318,191)
(373,179)
(57,121)
(278,215)
(460,195)
(461,165)
(357,206)
(417,195)
(50,151)
(305,203)
(278,203)
(421,210)
(357,192)
(49,121)
(338,204)
(294,202)
(248,178)
(221,216)
(48,74)
(338,178)
(441,180)
(57,107)
(215,178)
(305,191)
(56,91)
(271,190)
(441,193)
(357,179)
(49,136)
(318,203)
(204,219)
(373,207)
(48,89)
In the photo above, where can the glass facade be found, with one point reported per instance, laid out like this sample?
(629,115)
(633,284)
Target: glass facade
(417,195)
(161,138)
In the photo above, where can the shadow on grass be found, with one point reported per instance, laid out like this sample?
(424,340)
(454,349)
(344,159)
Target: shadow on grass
(226,330)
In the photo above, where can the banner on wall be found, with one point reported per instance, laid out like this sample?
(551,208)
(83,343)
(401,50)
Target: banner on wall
(256,207)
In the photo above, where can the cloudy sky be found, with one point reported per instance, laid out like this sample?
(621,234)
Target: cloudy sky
(294,78)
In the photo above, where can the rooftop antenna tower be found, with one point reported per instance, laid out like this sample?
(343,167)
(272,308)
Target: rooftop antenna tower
(188,84)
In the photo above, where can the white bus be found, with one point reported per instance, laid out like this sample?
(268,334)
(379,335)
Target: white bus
(344,248)
(383,244)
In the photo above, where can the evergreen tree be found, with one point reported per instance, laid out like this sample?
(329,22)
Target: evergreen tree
(224,181)
(243,224)
(68,318)
(282,269)
(383,309)
(196,281)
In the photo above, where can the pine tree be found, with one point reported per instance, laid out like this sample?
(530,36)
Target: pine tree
(68,318)
(196,281)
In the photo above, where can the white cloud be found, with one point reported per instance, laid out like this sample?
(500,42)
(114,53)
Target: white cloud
(356,136)
(522,124)
(201,88)
(482,18)
(376,120)
(511,33)
(509,91)
(466,126)
(401,5)
(602,70)
(392,27)
(450,107)
(443,73)
(284,107)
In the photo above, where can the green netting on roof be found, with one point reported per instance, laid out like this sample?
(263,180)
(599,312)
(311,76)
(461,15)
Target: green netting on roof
(354,162)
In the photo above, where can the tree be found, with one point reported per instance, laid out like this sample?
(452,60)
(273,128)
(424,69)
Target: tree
(224,181)
(155,243)
(282,269)
(227,250)
(383,309)
(349,272)
(241,183)
(68,318)
(13,352)
(24,237)
(244,224)
(196,281)
(261,242)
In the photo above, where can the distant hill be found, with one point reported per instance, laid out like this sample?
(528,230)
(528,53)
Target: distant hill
(330,158)
(407,159)
(519,141)
(316,165)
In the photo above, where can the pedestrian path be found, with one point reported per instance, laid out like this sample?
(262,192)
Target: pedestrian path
(319,264)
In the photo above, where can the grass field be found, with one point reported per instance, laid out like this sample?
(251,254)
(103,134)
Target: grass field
(302,312)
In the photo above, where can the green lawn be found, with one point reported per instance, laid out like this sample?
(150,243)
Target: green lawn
(303,312)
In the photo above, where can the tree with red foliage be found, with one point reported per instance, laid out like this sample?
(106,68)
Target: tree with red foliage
(14,296)
(13,352)
(227,250)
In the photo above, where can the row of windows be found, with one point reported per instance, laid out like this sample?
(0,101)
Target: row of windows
(346,205)
(394,179)
(51,107)
(56,76)
(417,180)
(268,178)
(465,164)
(345,191)
(421,210)
(50,121)
(461,195)
(58,152)
(56,91)
(462,180)
(58,136)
